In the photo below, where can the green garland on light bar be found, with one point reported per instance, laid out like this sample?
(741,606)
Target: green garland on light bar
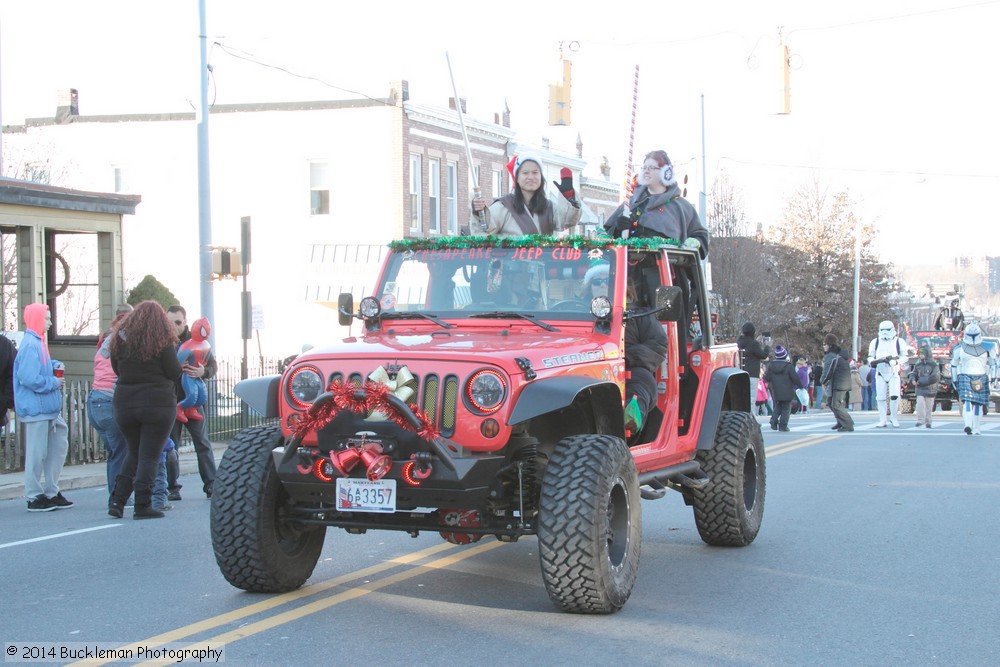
(529,241)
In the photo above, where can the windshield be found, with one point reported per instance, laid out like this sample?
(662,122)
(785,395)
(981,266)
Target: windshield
(544,281)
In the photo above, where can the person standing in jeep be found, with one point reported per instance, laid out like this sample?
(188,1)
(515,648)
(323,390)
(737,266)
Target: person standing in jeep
(528,210)
(752,353)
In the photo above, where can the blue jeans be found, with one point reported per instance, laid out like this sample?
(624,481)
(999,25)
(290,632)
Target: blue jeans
(101,412)
(160,483)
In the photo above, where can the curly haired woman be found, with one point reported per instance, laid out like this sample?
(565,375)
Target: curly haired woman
(144,355)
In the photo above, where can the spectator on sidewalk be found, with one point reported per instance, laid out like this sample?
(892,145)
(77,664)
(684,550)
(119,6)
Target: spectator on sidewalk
(8,352)
(100,401)
(195,427)
(38,399)
(144,355)
(752,353)
(802,369)
(867,391)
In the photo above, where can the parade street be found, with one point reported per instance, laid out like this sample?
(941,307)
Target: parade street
(878,547)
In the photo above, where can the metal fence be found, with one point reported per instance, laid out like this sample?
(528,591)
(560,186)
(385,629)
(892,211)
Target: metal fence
(225,416)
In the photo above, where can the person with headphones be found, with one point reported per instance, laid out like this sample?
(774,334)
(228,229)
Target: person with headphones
(657,208)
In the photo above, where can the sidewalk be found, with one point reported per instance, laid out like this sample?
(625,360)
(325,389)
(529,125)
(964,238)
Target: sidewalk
(94,474)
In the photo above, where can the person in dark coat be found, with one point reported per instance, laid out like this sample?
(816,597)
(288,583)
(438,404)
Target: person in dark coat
(925,375)
(783,380)
(836,381)
(752,353)
(8,352)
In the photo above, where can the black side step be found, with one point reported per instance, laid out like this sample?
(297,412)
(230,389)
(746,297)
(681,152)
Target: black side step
(688,475)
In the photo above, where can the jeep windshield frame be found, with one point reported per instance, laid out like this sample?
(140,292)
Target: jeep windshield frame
(546,280)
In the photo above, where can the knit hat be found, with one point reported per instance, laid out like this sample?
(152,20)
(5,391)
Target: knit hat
(518,161)
(780,353)
(749,329)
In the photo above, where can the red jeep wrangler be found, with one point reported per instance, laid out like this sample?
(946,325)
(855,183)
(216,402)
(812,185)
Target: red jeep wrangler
(483,396)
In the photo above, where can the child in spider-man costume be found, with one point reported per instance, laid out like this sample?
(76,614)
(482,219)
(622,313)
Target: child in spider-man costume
(194,352)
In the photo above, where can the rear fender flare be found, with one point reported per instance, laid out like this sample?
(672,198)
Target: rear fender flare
(544,396)
(728,390)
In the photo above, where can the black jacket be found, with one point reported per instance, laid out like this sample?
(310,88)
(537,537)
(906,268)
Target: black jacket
(7,354)
(837,370)
(645,343)
(782,380)
(753,354)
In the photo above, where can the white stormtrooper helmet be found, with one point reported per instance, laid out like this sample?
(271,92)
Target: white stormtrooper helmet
(973,335)
(886,330)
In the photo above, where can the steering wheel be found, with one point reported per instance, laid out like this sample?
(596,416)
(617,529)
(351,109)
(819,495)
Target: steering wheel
(570,304)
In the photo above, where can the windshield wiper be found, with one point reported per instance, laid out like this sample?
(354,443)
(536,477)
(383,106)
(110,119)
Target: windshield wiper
(501,315)
(411,315)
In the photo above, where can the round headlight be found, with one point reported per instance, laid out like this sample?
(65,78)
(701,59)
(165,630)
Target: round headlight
(600,307)
(486,390)
(369,307)
(304,386)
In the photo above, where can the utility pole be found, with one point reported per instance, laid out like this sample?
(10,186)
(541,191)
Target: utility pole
(204,187)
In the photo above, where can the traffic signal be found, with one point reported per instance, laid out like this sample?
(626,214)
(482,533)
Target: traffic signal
(559,95)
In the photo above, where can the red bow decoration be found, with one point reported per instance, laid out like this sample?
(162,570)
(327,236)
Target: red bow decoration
(375,398)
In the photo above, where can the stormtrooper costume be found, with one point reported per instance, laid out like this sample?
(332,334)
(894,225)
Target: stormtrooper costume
(889,351)
(970,365)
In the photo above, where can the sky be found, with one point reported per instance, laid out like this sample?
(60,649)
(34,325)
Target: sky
(894,102)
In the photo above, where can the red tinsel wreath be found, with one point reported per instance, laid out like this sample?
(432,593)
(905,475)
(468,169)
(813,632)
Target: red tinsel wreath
(376,398)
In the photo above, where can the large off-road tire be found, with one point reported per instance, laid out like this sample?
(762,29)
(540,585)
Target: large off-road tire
(255,547)
(729,509)
(590,524)
(906,406)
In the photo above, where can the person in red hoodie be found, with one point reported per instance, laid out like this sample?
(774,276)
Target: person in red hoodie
(38,399)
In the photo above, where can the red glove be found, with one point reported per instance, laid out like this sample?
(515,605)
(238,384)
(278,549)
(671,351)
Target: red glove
(565,183)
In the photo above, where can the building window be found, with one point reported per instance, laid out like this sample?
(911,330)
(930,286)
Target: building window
(497,183)
(71,283)
(416,219)
(434,194)
(319,188)
(452,198)
(8,280)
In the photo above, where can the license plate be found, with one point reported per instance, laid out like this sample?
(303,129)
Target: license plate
(363,495)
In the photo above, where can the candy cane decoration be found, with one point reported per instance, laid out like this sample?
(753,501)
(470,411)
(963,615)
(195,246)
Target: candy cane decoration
(628,184)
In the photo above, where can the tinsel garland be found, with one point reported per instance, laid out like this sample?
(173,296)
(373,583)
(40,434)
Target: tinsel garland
(375,398)
(529,241)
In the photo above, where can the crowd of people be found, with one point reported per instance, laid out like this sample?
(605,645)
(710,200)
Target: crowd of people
(136,402)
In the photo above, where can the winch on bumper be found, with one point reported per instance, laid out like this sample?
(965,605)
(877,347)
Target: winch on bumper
(376,474)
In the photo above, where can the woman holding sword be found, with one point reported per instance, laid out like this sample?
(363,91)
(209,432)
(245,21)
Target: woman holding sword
(528,210)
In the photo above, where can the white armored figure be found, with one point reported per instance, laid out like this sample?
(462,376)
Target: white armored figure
(887,354)
(970,365)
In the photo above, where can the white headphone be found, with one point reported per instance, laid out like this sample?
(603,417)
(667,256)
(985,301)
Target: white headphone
(666,174)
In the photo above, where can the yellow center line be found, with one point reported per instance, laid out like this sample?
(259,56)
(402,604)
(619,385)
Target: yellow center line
(798,443)
(325,603)
(278,600)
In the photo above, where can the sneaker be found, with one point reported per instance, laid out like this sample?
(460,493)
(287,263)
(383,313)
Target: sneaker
(41,504)
(59,501)
(174,495)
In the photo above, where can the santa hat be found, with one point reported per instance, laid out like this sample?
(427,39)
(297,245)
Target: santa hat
(596,271)
(517,161)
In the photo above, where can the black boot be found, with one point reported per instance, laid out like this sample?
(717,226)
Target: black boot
(119,496)
(144,503)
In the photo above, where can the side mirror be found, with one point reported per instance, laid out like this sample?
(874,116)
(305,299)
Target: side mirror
(668,303)
(345,308)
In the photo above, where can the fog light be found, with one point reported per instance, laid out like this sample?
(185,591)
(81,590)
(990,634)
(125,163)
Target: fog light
(490,428)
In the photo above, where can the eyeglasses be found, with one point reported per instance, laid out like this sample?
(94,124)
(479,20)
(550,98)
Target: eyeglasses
(178,322)
(600,282)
